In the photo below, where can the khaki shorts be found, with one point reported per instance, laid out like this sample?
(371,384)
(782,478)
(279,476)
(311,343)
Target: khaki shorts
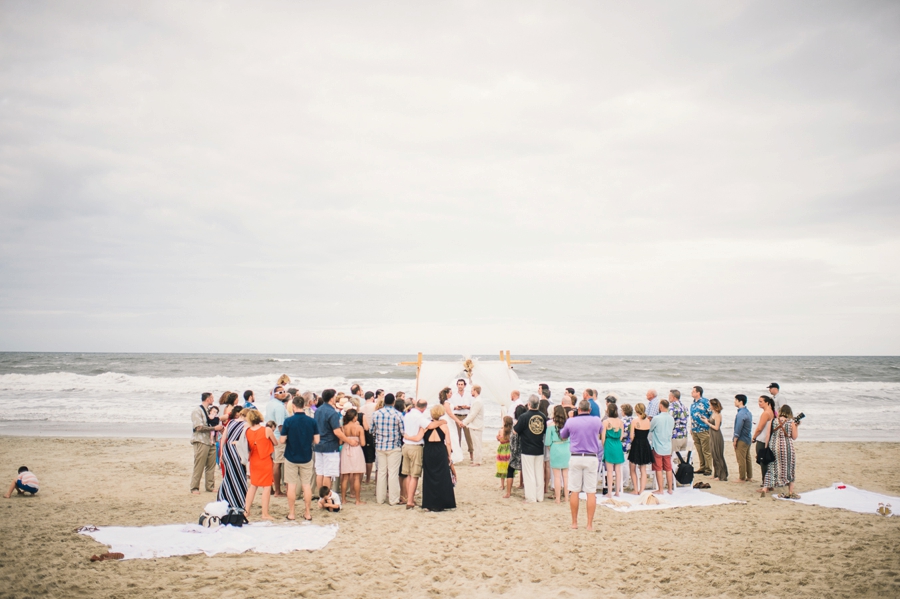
(679,445)
(278,454)
(298,474)
(412,460)
(583,474)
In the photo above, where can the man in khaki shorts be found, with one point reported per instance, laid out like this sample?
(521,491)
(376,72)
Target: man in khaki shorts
(414,424)
(583,432)
(276,412)
(298,434)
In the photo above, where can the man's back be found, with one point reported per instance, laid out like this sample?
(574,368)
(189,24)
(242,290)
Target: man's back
(327,420)
(300,431)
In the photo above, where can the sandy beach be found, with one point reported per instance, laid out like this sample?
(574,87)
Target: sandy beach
(487,547)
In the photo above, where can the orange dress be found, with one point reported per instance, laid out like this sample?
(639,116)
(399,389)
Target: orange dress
(260,457)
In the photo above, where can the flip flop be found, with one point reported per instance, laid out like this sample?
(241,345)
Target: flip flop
(307,519)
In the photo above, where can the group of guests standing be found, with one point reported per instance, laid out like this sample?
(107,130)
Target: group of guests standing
(646,435)
(309,441)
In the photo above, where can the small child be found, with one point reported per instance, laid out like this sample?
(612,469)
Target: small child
(271,424)
(26,482)
(503,451)
(328,500)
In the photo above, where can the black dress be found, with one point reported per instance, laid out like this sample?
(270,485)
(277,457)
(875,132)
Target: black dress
(437,486)
(640,453)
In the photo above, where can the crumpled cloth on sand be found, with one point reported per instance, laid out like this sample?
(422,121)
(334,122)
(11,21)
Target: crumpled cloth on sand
(848,498)
(683,497)
(148,542)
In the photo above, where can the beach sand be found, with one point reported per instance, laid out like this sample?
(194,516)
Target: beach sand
(486,547)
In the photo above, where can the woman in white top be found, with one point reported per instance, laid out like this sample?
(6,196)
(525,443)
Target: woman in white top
(453,424)
(761,434)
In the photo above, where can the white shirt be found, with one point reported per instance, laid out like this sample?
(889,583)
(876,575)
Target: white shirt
(412,422)
(511,412)
(461,400)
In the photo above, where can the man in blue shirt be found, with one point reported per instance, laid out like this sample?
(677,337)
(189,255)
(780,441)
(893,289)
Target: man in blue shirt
(743,429)
(298,434)
(661,428)
(591,396)
(328,449)
(248,400)
(700,430)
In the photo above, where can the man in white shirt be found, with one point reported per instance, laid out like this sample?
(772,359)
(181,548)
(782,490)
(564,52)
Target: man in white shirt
(474,422)
(413,423)
(775,391)
(514,402)
(461,403)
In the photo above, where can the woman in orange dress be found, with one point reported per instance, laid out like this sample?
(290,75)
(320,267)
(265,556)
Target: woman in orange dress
(262,442)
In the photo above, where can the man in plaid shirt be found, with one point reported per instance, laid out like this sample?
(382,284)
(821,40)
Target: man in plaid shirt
(387,427)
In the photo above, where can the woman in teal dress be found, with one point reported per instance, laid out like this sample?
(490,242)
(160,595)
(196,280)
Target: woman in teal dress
(559,453)
(613,454)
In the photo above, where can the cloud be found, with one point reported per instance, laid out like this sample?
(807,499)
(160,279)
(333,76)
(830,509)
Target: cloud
(343,177)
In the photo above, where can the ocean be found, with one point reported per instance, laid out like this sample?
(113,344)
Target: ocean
(152,395)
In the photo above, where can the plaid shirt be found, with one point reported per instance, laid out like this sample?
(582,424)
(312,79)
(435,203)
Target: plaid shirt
(680,416)
(387,427)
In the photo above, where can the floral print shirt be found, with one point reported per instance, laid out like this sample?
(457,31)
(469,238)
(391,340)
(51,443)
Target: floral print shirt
(680,416)
(700,408)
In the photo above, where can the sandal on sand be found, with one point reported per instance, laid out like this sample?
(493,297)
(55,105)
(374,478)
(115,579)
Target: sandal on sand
(107,556)
(884,509)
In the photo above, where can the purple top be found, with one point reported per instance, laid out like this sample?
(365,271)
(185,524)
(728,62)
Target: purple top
(583,432)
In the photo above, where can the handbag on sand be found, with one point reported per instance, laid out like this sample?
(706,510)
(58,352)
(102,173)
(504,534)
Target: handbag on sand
(684,474)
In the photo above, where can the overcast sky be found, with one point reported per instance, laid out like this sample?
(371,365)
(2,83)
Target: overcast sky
(568,178)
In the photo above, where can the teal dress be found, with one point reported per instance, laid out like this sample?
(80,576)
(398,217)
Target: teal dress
(559,448)
(612,447)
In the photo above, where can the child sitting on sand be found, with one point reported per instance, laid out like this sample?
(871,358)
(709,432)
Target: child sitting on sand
(328,500)
(26,482)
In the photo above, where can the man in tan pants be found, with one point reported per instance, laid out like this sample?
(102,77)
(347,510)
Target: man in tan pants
(204,448)
(700,430)
(474,422)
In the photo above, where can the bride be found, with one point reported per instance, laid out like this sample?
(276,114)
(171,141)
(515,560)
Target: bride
(453,423)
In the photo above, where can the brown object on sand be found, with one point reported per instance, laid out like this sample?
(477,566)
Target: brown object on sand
(107,556)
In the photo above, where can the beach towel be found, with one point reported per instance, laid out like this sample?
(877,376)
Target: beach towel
(681,498)
(845,497)
(149,542)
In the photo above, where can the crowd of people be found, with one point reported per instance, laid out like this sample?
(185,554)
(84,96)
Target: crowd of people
(309,443)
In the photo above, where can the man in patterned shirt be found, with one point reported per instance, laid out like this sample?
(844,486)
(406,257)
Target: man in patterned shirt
(680,416)
(700,430)
(387,427)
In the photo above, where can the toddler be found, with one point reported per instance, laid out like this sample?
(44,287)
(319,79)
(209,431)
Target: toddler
(328,500)
(26,482)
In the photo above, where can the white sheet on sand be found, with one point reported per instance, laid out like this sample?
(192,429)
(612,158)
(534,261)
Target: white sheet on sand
(847,498)
(683,497)
(148,542)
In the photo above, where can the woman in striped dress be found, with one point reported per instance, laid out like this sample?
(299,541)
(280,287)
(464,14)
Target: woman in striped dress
(780,473)
(234,479)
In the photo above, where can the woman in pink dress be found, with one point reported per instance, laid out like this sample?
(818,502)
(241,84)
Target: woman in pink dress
(353,460)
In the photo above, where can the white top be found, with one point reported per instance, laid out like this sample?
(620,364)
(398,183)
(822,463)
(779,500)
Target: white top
(412,422)
(335,498)
(511,412)
(475,419)
(461,400)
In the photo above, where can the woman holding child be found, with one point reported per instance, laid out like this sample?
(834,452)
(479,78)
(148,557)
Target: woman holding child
(232,457)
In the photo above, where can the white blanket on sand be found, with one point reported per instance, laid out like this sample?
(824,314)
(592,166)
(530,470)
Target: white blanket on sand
(845,497)
(683,497)
(148,542)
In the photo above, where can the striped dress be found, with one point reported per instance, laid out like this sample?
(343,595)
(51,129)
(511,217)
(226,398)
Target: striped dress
(781,472)
(234,481)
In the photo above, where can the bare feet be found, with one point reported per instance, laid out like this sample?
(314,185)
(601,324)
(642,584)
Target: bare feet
(657,492)
(194,492)
(590,529)
(671,492)
(360,502)
(507,496)
(575,527)
(266,517)
(557,501)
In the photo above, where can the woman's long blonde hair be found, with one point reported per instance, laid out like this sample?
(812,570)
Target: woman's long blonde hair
(640,410)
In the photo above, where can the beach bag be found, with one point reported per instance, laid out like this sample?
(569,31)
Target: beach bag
(765,456)
(243,449)
(234,517)
(684,474)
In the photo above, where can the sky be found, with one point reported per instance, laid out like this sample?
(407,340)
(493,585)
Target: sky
(450,177)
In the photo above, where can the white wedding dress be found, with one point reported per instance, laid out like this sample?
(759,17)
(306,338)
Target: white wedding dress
(456,454)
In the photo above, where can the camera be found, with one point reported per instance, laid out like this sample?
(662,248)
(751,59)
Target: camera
(799,417)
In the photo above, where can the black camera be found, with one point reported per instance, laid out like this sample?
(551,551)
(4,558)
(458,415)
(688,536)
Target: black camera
(799,417)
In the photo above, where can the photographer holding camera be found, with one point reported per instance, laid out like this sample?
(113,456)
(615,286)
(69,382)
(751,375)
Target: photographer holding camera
(780,473)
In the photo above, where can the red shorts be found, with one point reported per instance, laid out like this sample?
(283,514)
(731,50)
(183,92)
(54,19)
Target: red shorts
(662,462)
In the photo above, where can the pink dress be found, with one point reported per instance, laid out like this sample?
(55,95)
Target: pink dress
(353,461)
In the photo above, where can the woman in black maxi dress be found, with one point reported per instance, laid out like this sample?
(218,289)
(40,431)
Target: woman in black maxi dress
(437,486)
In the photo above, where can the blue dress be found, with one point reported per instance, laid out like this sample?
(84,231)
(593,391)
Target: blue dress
(612,447)
(559,449)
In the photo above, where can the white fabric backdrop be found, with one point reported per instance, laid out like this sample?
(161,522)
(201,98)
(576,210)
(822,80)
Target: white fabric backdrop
(434,376)
(496,379)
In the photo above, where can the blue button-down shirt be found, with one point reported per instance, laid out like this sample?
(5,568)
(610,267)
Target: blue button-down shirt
(699,408)
(743,425)
(387,427)
(327,421)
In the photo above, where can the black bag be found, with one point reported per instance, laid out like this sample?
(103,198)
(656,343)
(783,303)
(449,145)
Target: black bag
(765,456)
(234,517)
(684,474)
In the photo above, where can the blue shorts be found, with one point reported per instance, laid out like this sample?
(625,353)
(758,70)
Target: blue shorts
(26,488)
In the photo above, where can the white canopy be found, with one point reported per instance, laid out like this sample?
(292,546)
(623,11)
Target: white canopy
(496,378)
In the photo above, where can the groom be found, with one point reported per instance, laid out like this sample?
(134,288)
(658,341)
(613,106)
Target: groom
(461,401)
